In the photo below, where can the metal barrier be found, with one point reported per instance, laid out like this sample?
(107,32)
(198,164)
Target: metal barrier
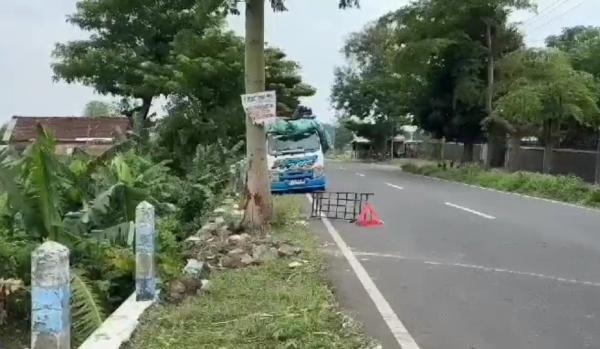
(338,205)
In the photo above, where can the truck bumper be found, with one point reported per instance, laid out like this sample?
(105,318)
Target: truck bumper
(315,184)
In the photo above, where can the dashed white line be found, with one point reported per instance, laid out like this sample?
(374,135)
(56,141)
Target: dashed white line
(394,186)
(480,268)
(525,196)
(399,331)
(470,210)
(360,174)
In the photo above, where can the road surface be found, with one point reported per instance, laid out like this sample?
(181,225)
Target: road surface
(468,268)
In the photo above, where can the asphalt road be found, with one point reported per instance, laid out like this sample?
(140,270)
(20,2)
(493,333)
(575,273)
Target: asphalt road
(467,268)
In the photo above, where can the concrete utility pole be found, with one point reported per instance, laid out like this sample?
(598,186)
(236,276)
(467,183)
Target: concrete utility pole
(258,206)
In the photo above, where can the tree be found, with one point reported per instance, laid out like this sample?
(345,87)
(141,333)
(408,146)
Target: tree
(258,206)
(582,44)
(343,137)
(543,92)
(450,46)
(209,78)
(96,109)
(433,59)
(128,53)
(372,99)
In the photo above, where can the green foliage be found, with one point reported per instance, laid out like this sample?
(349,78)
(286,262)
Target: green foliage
(170,256)
(129,50)
(543,91)
(429,59)
(96,109)
(86,312)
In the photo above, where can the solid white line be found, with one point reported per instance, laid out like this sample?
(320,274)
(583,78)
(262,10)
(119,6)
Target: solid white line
(399,331)
(470,211)
(360,174)
(394,186)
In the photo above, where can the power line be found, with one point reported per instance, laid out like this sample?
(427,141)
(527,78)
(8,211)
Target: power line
(535,16)
(560,15)
(548,11)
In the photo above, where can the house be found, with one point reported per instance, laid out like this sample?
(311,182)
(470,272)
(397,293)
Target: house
(91,135)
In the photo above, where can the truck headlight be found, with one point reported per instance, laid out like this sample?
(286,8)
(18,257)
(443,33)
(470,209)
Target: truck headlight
(318,171)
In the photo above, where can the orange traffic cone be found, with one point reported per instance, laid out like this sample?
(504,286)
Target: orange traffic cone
(368,217)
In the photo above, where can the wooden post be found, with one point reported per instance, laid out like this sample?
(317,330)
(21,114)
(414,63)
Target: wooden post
(50,297)
(145,274)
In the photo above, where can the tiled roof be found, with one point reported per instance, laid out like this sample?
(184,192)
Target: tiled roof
(69,128)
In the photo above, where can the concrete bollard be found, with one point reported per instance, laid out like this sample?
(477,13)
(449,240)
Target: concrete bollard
(145,275)
(50,297)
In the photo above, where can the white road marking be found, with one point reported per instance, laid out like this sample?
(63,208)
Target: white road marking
(525,196)
(470,210)
(399,331)
(481,268)
(394,186)
(360,174)
(342,168)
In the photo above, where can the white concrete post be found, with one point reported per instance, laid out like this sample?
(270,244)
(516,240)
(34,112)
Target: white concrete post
(145,274)
(50,297)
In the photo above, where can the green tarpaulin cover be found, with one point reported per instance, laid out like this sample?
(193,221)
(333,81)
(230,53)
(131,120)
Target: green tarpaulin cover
(298,129)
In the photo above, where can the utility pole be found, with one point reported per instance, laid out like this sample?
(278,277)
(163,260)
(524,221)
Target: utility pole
(490,95)
(258,205)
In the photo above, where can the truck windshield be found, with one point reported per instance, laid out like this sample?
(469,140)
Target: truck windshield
(279,145)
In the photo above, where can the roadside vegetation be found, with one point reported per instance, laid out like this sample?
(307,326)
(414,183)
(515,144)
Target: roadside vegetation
(282,303)
(570,189)
(88,204)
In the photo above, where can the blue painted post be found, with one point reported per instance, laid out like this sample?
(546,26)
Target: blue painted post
(50,297)
(145,275)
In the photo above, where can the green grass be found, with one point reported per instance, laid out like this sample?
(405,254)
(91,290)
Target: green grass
(267,306)
(570,189)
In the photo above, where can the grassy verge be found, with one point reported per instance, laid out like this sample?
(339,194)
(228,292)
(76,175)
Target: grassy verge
(562,188)
(266,306)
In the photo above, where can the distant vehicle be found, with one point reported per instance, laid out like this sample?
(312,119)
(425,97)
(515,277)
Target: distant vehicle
(295,155)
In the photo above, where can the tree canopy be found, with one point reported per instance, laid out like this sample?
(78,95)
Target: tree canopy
(429,59)
(542,94)
(129,53)
(96,109)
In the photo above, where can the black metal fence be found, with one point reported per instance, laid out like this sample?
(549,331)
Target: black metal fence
(338,205)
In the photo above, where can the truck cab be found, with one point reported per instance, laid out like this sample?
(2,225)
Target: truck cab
(296,159)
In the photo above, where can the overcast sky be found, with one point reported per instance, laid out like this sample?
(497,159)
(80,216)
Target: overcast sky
(312,33)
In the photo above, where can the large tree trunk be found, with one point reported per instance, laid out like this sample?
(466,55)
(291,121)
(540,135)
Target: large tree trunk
(548,159)
(514,153)
(146,104)
(597,176)
(259,204)
(492,136)
(467,155)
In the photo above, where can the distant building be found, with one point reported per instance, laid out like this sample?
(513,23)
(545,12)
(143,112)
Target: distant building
(91,135)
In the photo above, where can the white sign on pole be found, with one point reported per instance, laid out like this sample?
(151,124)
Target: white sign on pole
(260,107)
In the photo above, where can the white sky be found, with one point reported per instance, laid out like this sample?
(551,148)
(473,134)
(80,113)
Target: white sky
(312,32)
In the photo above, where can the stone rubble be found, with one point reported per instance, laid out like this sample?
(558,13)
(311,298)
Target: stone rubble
(220,244)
